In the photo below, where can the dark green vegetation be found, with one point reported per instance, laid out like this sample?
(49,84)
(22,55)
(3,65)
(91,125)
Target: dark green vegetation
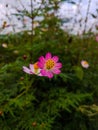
(66,102)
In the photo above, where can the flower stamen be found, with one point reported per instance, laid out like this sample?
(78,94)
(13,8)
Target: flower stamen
(85,63)
(50,64)
(36,65)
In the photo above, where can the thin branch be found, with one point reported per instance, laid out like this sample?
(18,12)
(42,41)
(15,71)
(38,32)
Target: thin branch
(31,20)
(86,18)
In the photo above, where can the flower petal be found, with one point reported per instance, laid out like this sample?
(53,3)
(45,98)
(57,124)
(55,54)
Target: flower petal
(49,74)
(55,58)
(56,71)
(39,74)
(40,64)
(44,72)
(41,59)
(58,65)
(27,70)
(31,67)
(48,56)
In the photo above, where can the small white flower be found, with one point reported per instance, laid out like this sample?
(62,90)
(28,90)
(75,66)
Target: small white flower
(84,64)
(35,24)
(4,45)
(33,69)
(15,51)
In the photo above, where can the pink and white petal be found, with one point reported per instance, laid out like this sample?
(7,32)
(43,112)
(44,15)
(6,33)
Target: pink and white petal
(48,56)
(31,67)
(26,70)
(58,65)
(37,72)
(56,71)
(55,58)
(40,74)
(49,74)
(42,59)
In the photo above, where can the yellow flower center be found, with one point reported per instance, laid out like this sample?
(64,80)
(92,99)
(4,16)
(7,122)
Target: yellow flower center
(85,63)
(50,64)
(36,68)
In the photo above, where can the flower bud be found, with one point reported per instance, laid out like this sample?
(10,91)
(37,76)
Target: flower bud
(34,123)
(24,57)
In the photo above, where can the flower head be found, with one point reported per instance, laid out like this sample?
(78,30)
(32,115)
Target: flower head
(33,69)
(96,38)
(49,65)
(84,64)
(4,45)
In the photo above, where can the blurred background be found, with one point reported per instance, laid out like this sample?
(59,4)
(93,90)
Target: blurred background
(74,14)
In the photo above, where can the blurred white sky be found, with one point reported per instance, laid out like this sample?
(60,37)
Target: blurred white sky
(70,10)
(66,11)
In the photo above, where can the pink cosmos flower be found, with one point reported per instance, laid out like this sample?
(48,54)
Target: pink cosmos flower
(84,64)
(33,69)
(97,38)
(49,65)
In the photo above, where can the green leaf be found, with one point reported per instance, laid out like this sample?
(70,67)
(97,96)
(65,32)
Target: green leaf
(64,76)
